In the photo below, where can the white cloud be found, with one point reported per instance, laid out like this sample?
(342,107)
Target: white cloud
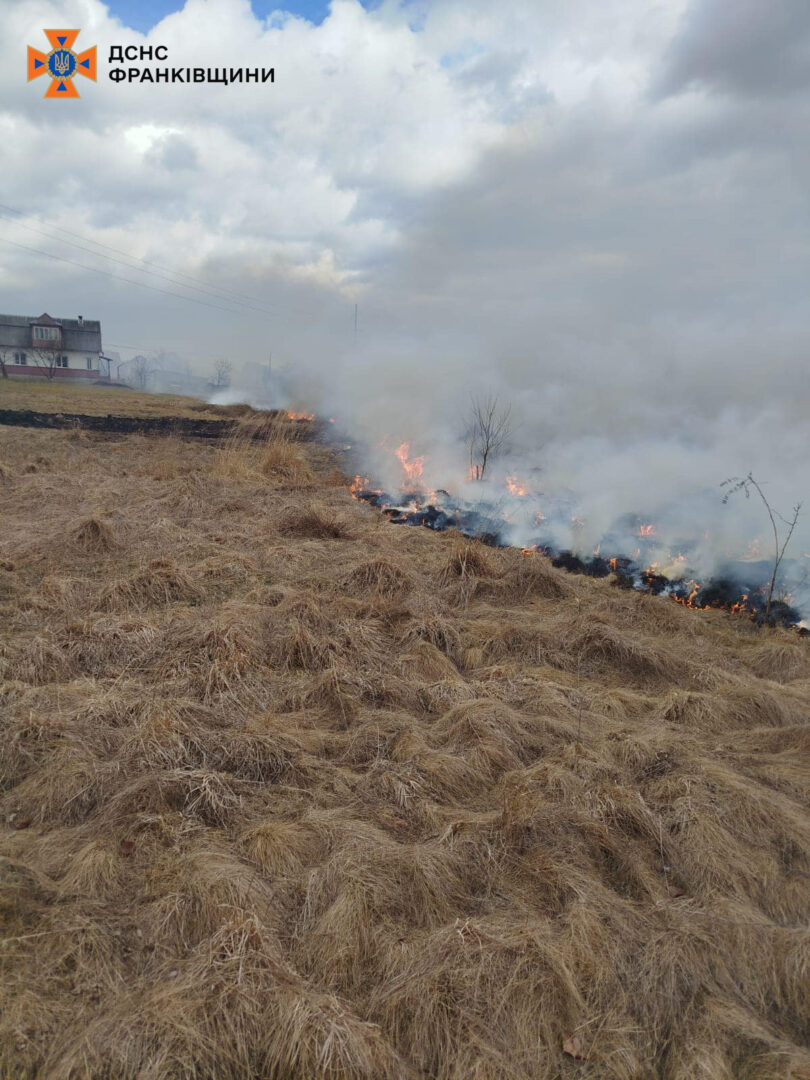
(361,117)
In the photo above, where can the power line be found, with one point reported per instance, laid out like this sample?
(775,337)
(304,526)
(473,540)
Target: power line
(136,348)
(116,277)
(156,349)
(205,291)
(227,296)
(241,297)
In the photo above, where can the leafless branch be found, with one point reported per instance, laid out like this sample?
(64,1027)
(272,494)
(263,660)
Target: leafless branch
(222,373)
(143,368)
(746,484)
(487,429)
(46,360)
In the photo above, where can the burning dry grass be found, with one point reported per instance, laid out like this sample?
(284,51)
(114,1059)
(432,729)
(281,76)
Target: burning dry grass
(286,791)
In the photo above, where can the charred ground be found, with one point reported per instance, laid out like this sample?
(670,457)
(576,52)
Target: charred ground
(290,792)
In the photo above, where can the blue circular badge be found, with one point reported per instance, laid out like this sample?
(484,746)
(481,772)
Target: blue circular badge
(61,64)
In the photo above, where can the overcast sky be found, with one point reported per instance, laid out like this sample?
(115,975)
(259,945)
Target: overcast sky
(599,208)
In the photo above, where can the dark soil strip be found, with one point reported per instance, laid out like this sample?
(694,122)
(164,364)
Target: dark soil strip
(127,425)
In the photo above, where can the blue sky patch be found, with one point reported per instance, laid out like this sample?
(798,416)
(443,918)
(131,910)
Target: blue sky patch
(142,15)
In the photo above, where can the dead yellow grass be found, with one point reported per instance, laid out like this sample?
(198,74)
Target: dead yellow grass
(94,535)
(287,791)
(264,447)
(287,462)
(43,395)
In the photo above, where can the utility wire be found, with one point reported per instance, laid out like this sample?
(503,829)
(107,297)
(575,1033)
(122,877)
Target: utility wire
(226,296)
(116,277)
(241,297)
(154,349)
(135,348)
(215,294)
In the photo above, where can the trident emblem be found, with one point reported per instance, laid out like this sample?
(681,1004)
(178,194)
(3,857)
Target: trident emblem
(61,63)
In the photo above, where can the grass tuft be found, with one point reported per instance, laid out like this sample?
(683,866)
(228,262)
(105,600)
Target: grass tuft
(94,535)
(378,577)
(159,583)
(286,462)
(398,807)
(313,521)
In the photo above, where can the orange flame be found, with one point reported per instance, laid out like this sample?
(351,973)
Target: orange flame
(300,416)
(413,469)
(689,601)
(515,487)
(646,530)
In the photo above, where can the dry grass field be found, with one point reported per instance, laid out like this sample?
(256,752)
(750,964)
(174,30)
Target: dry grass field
(55,395)
(287,791)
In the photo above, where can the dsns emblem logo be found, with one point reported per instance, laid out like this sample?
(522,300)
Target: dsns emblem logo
(61,63)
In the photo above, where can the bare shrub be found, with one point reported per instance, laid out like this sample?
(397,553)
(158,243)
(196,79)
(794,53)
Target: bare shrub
(487,429)
(780,541)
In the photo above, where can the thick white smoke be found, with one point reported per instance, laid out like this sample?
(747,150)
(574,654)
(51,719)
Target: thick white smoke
(619,257)
(607,462)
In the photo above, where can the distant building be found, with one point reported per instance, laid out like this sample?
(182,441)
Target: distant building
(66,348)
